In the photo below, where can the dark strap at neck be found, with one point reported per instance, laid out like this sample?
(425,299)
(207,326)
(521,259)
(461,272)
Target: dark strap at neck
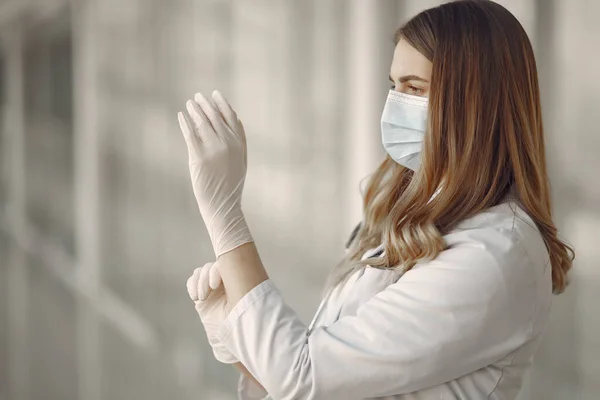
(353,235)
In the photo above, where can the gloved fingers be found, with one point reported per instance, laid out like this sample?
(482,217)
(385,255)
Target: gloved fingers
(230,117)
(227,112)
(214,279)
(214,116)
(192,284)
(188,133)
(204,129)
(203,282)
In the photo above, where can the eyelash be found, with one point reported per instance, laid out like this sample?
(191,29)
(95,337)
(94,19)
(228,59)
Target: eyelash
(414,89)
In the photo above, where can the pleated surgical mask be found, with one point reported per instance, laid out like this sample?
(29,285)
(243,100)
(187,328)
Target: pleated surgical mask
(403,125)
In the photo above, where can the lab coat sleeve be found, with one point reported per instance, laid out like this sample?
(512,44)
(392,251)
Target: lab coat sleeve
(248,390)
(443,319)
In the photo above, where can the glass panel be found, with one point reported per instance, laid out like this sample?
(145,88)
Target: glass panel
(152,234)
(129,373)
(4,171)
(52,336)
(4,251)
(48,89)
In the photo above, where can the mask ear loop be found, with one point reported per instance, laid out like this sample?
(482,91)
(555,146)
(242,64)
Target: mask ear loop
(353,235)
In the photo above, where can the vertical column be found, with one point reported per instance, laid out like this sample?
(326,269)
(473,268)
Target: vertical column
(87,184)
(223,25)
(300,141)
(370,48)
(18,288)
(554,374)
(576,143)
(324,98)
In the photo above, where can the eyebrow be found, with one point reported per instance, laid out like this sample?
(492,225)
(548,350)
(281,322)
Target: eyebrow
(409,78)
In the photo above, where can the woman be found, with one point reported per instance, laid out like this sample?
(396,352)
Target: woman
(446,286)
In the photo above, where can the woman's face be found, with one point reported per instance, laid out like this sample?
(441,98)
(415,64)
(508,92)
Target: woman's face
(410,72)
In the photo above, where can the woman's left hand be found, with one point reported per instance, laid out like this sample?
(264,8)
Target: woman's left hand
(216,144)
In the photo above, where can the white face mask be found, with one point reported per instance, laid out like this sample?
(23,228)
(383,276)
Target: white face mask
(403,125)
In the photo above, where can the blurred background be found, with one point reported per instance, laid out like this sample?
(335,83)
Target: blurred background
(99,229)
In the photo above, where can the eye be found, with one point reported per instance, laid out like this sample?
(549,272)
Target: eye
(416,90)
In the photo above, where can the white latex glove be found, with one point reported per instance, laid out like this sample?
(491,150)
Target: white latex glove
(208,294)
(216,144)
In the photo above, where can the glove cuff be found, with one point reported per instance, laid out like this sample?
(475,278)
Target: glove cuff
(229,234)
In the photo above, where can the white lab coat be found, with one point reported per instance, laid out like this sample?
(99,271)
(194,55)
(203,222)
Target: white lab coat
(462,326)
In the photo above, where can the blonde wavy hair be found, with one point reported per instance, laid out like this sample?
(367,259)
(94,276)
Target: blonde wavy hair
(484,137)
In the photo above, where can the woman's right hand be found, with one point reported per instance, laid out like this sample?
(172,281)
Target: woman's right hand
(208,294)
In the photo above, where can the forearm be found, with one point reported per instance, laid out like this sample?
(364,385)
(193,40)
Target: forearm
(241,270)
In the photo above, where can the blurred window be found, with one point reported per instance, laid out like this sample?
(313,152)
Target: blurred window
(3,162)
(48,87)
